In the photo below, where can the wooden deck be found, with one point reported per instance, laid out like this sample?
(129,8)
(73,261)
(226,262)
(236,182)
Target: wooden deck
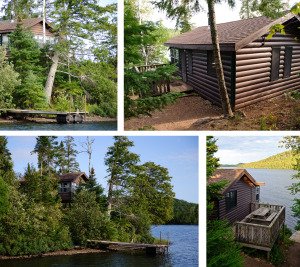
(261,227)
(61,116)
(151,249)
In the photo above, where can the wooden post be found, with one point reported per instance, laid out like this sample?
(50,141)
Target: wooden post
(84,107)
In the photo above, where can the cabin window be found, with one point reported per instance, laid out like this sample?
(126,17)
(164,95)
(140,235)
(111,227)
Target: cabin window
(257,190)
(174,56)
(275,63)
(210,64)
(190,61)
(65,187)
(0,39)
(287,61)
(231,199)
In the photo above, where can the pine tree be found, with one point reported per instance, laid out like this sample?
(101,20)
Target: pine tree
(70,155)
(18,9)
(120,163)
(46,149)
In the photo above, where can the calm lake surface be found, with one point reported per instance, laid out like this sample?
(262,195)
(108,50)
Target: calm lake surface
(183,252)
(99,126)
(276,190)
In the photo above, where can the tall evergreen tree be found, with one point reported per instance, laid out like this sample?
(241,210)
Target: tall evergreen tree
(70,155)
(46,149)
(120,162)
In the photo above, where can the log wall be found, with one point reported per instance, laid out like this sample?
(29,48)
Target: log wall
(253,70)
(38,30)
(206,85)
(245,196)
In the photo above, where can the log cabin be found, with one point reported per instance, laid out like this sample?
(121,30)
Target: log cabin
(240,191)
(35,25)
(255,68)
(67,184)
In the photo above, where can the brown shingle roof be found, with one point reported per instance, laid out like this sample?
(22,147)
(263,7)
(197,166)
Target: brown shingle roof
(230,175)
(230,33)
(69,177)
(9,26)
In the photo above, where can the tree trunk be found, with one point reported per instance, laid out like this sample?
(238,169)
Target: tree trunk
(217,54)
(51,77)
(109,197)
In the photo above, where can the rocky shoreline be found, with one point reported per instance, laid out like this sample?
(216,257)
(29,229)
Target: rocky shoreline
(41,120)
(74,251)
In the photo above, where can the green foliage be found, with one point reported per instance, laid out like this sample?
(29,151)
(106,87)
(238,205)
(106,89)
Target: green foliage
(212,163)
(138,195)
(268,123)
(284,160)
(278,253)
(221,247)
(86,221)
(141,85)
(8,82)
(269,8)
(293,143)
(4,197)
(30,94)
(184,212)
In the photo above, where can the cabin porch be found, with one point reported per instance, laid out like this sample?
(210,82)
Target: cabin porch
(261,227)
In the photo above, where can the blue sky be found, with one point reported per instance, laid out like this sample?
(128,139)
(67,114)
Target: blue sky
(233,150)
(178,154)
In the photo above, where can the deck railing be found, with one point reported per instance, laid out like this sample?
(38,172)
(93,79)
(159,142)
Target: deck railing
(257,235)
(159,87)
(143,68)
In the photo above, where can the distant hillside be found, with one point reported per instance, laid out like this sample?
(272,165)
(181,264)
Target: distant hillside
(184,212)
(284,160)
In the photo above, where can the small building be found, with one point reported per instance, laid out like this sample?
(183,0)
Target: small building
(240,191)
(255,68)
(68,183)
(35,25)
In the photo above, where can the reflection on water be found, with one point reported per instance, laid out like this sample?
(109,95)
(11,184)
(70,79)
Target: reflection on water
(182,252)
(99,126)
(276,190)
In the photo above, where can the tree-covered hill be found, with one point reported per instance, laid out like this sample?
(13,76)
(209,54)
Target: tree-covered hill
(284,160)
(184,212)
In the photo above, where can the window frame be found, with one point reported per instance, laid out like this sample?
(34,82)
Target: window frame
(275,63)
(288,57)
(210,65)
(231,200)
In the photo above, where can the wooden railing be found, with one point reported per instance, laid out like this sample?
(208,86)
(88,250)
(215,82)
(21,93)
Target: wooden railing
(143,68)
(257,235)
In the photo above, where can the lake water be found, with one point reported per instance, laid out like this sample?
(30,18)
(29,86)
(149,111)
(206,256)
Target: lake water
(99,126)
(276,190)
(183,251)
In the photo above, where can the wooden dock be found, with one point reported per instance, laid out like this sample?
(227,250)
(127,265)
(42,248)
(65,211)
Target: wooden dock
(150,249)
(61,117)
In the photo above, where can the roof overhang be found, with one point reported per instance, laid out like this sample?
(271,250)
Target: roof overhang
(223,47)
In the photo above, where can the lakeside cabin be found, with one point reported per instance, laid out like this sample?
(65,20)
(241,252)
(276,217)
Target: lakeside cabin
(35,25)
(255,68)
(256,225)
(67,184)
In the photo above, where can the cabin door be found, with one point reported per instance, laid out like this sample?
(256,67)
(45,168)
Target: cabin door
(183,66)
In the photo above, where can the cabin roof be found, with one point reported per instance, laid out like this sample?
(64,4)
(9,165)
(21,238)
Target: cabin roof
(9,26)
(70,177)
(232,35)
(232,176)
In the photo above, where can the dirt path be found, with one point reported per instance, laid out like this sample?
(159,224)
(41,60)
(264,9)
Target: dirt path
(255,262)
(280,113)
(293,259)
